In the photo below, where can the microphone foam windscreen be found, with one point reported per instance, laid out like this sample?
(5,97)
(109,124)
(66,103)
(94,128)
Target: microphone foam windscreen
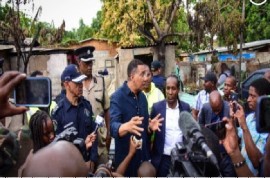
(186,122)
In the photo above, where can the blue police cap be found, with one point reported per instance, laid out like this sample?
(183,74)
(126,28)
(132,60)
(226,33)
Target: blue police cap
(85,53)
(71,73)
(155,65)
(210,76)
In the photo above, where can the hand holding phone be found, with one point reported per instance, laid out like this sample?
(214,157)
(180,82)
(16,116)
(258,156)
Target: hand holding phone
(234,107)
(33,92)
(8,81)
(218,128)
(234,96)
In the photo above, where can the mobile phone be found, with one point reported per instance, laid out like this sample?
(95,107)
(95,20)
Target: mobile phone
(218,128)
(33,92)
(234,96)
(262,114)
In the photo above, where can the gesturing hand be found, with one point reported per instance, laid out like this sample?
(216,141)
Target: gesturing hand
(8,81)
(134,125)
(155,123)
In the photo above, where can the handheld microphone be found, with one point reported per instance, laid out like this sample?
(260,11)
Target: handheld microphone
(99,121)
(192,130)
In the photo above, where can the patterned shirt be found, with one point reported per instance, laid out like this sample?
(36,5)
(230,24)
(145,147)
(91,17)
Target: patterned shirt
(258,139)
(201,98)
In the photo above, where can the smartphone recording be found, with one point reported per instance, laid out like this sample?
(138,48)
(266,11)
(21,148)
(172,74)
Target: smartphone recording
(218,128)
(33,92)
(234,96)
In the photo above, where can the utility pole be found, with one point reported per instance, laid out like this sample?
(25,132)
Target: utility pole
(241,41)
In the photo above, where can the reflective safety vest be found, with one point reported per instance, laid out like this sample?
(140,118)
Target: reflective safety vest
(33,110)
(153,96)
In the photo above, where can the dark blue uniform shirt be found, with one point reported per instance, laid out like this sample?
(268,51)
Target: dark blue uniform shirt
(159,81)
(124,105)
(82,118)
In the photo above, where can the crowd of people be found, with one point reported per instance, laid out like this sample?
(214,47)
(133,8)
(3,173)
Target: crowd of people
(142,116)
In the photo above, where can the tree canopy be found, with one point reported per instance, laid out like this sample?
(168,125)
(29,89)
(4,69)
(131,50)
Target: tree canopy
(142,22)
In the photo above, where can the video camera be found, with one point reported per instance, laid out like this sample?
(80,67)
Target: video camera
(192,157)
(263,114)
(189,163)
(70,134)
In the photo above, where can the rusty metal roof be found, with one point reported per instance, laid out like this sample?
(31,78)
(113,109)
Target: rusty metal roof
(146,46)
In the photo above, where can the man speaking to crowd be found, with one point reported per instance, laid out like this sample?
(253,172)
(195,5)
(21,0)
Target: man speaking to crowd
(129,116)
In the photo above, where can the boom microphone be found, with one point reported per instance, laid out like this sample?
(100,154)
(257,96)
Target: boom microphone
(191,130)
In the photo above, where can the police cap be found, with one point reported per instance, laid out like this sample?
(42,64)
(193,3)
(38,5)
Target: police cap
(85,53)
(71,73)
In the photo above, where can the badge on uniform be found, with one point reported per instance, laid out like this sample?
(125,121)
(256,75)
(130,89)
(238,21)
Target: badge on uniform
(87,112)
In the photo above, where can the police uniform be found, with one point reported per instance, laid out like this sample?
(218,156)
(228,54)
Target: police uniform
(97,94)
(79,116)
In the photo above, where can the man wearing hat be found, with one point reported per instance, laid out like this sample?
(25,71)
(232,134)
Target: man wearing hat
(158,79)
(210,82)
(73,108)
(95,92)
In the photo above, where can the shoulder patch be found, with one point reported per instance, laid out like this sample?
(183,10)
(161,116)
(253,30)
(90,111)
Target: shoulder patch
(55,109)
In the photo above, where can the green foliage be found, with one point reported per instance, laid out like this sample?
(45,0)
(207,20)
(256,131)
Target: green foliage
(3,11)
(84,31)
(216,18)
(257,22)
(141,22)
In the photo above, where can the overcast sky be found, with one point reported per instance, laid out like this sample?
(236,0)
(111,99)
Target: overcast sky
(69,10)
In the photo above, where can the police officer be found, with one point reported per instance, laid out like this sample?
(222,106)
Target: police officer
(76,110)
(94,90)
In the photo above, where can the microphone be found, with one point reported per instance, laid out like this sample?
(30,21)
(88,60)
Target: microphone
(192,130)
(99,121)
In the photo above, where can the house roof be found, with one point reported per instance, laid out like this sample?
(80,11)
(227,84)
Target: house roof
(6,47)
(90,39)
(42,51)
(146,46)
(247,46)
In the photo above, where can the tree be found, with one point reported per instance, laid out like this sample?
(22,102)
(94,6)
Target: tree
(12,27)
(257,20)
(140,22)
(214,18)
(18,27)
(49,35)
(97,23)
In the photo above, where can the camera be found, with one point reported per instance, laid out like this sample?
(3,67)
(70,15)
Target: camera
(103,73)
(218,128)
(262,114)
(70,134)
(189,162)
(33,92)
